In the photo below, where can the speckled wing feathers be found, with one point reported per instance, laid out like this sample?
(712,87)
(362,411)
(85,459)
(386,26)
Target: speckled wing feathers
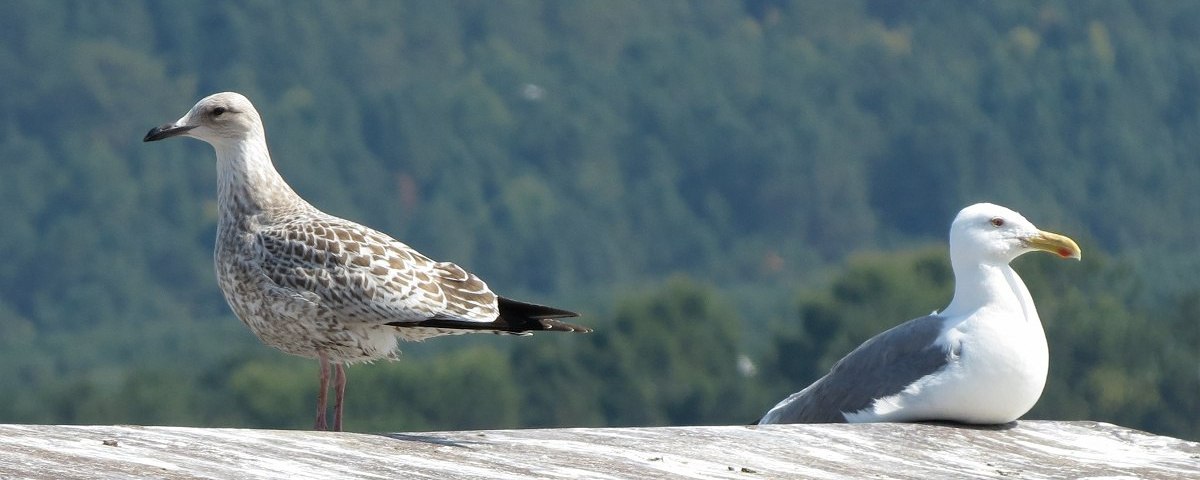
(467,297)
(363,276)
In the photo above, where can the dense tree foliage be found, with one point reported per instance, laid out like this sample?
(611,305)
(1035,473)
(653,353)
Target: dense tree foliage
(703,179)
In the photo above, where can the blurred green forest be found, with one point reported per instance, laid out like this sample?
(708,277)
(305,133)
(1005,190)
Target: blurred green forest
(735,193)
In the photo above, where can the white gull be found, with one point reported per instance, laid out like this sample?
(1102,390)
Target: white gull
(983,359)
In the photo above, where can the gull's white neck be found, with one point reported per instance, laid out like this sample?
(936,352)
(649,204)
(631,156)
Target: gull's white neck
(247,182)
(993,285)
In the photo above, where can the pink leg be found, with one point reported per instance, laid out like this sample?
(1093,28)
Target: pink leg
(322,394)
(339,385)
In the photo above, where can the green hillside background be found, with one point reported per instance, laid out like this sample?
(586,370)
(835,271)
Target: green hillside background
(734,193)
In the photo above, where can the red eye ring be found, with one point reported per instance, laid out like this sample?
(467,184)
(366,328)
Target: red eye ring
(997,222)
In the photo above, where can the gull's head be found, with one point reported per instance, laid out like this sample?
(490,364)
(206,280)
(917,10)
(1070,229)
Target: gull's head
(993,234)
(218,119)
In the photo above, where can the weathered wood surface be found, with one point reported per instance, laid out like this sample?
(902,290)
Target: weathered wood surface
(1030,449)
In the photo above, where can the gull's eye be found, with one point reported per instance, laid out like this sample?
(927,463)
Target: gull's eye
(216,112)
(997,222)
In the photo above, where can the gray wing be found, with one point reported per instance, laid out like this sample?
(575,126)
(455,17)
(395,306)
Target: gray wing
(880,367)
(360,275)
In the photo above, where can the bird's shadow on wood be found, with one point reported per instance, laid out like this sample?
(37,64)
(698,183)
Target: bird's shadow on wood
(948,424)
(971,426)
(431,439)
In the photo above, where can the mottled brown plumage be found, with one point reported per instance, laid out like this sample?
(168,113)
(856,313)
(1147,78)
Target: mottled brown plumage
(318,286)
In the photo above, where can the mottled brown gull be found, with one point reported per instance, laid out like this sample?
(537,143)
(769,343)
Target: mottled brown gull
(322,287)
(983,359)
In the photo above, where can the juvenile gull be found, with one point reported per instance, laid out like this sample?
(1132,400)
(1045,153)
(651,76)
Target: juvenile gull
(982,359)
(318,286)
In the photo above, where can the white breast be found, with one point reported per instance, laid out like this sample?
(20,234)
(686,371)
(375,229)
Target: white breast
(998,376)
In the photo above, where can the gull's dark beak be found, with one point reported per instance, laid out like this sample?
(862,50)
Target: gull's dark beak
(166,131)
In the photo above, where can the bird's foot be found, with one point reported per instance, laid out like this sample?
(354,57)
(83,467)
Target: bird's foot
(320,424)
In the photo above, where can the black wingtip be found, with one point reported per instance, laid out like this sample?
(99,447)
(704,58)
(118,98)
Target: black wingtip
(530,316)
(515,317)
(531,310)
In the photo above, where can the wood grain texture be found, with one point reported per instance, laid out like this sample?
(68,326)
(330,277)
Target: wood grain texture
(1028,449)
